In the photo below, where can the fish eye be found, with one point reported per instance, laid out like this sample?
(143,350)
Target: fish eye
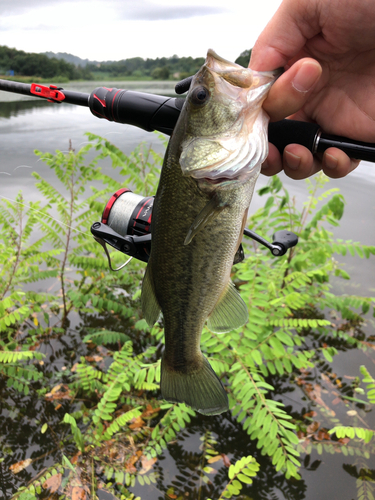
(200,95)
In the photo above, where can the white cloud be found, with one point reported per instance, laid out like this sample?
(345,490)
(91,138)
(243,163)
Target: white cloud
(118,29)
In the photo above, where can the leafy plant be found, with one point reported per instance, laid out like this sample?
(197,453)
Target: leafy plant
(361,433)
(113,427)
(240,473)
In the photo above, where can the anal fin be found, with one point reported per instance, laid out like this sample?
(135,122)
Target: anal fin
(229,313)
(150,305)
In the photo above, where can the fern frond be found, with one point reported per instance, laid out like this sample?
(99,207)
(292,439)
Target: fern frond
(370,384)
(106,337)
(108,402)
(120,421)
(15,356)
(264,419)
(342,431)
(77,435)
(175,419)
(241,472)
(89,378)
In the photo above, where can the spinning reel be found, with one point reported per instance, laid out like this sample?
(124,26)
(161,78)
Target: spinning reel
(126,226)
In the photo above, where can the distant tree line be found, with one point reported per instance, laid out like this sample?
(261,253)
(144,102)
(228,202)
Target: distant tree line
(48,66)
(161,68)
(32,64)
(244,58)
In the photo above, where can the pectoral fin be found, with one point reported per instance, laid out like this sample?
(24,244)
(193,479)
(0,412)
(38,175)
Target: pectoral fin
(210,211)
(229,313)
(150,306)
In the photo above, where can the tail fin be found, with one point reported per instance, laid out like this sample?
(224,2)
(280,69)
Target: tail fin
(200,388)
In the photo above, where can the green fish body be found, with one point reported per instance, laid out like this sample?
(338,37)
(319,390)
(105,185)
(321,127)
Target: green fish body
(200,208)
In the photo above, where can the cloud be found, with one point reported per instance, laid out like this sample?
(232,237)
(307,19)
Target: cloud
(10,7)
(132,10)
(144,10)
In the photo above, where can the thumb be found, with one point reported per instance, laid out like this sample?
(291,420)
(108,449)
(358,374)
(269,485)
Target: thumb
(292,89)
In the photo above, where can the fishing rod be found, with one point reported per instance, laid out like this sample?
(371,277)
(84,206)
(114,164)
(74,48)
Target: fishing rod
(156,112)
(126,220)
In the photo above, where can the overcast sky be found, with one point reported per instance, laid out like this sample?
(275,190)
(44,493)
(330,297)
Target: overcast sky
(117,29)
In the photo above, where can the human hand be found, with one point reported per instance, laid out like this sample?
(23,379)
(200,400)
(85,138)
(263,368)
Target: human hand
(328,51)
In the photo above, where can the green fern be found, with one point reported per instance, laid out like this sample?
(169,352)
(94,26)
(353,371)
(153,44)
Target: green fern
(89,378)
(17,374)
(175,419)
(77,435)
(370,384)
(240,473)
(12,357)
(121,421)
(106,337)
(108,403)
(289,301)
(353,432)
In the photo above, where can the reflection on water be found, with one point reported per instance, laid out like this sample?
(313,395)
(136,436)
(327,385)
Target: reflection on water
(29,125)
(14,108)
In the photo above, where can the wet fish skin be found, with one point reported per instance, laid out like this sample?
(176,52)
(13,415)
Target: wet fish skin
(198,217)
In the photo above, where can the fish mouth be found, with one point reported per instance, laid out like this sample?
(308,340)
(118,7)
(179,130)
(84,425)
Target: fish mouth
(237,75)
(232,73)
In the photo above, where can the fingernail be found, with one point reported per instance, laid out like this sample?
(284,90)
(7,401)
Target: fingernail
(330,161)
(292,161)
(305,78)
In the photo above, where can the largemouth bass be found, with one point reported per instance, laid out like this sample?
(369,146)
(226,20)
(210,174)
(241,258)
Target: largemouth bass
(207,181)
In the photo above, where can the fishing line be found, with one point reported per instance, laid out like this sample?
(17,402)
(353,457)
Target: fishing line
(22,166)
(45,215)
(19,166)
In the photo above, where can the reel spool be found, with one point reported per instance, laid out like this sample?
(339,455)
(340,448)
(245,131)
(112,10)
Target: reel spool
(126,225)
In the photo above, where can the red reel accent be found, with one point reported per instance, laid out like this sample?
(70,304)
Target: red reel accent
(110,204)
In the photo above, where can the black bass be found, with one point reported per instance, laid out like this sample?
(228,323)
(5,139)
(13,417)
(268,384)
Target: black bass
(200,209)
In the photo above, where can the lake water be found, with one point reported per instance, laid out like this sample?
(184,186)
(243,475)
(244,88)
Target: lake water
(35,124)
(29,124)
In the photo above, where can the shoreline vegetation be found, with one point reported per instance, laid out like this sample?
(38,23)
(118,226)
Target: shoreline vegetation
(80,369)
(25,67)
